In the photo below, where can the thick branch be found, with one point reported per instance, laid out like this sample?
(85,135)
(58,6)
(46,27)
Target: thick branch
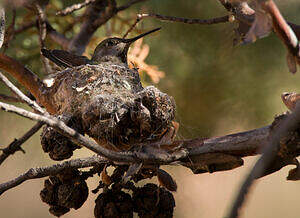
(240,144)
(235,145)
(96,14)
(269,153)
(28,79)
(244,144)
(40,172)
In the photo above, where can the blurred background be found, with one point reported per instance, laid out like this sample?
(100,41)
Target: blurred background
(219,89)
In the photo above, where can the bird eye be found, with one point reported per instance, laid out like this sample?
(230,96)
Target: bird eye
(110,43)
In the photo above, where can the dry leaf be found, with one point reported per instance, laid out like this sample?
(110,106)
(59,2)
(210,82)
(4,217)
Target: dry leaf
(166,180)
(105,177)
(137,55)
(261,27)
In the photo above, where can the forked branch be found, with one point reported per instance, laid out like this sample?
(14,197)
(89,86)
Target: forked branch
(41,172)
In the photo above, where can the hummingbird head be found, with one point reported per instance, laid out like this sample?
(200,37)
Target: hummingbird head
(115,49)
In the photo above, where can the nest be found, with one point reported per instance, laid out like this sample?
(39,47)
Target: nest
(111,104)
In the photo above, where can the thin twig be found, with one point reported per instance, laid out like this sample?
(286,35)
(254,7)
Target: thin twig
(16,144)
(42,35)
(269,153)
(25,26)
(74,7)
(132,27)
(40,172)
(23,97)
(12,32)
(42,24)
(216,20)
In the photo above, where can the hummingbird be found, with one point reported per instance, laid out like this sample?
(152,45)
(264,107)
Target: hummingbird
(109,50)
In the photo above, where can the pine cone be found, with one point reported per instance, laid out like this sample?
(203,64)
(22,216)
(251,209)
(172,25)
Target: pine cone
(113,204)
(151,201)
(64,191)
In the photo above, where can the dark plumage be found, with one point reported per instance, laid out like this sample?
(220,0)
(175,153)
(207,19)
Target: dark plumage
(65,59)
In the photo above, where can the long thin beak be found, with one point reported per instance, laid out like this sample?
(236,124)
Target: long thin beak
(129,41)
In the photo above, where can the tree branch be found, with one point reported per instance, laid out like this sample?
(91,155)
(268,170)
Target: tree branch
(269,153)
(23,97)
(97,14)
(245,14)
(74,7)
(57,37)
(239,144)
(40,172)
(25,26)
(285,33)
(16,144)
(128,157)
(216,20)
(255,24)
(42,34)
(28,79)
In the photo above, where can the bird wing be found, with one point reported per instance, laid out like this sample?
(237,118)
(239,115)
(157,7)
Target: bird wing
(65,59)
